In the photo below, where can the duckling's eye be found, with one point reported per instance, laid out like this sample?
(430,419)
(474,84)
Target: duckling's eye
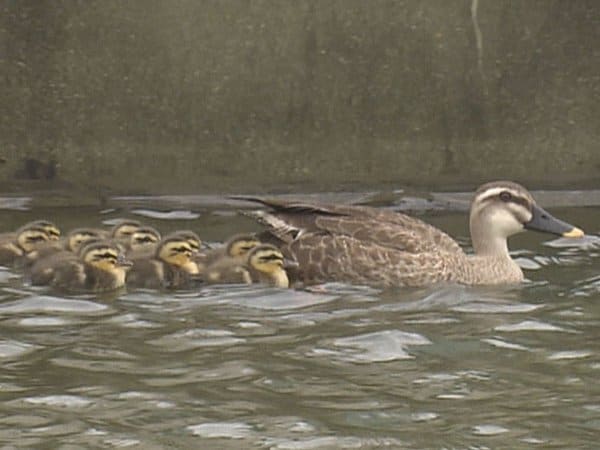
(35,238)
(505,196)
(181,250)
(110,256)
(268,258)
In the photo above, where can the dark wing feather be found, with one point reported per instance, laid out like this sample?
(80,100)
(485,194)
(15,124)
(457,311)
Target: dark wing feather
(367,224)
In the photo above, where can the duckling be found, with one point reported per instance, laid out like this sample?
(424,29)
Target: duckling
(195,242)
(192,238)
(51,230)
(264,264)
(121,232)
(171,266)
(71,243)
(42,263)
(26,239)
(143,242)
(233,254)
(100,267)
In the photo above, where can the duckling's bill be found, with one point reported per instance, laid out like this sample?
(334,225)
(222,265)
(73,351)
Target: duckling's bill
(542,220)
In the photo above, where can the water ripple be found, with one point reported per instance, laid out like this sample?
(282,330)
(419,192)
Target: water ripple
(12,349)
(229,430)
(379,346)
(51,304)
(194,338)
(531,325)
(60,401)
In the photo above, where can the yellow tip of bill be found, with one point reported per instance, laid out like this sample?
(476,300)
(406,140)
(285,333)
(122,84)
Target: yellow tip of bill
(574,233)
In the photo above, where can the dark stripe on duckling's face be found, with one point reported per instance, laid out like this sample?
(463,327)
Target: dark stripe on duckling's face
(271,257)
(145,239)
(194,245)
(106,256)
(182,249)
(36,237)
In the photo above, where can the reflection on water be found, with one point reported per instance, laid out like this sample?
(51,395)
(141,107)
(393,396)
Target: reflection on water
(335,366)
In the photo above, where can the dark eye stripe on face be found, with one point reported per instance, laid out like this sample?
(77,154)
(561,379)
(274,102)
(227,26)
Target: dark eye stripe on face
(520,201)
(35,238)
(271,258)
(106,255)
(145,239)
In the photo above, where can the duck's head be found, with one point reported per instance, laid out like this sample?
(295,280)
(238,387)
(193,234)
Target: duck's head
(123,230)
(144,238)
(266,259)
(503,208)
(105,256)
(177,252)
(192,238)
(240,244)
(78,237)
(35,234)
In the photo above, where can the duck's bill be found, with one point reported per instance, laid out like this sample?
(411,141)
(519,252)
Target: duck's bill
(542,220)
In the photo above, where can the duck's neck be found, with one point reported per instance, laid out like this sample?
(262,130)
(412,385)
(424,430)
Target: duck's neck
(491,263)
(490,246)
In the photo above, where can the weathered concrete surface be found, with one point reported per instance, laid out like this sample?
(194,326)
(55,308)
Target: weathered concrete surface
(103,97)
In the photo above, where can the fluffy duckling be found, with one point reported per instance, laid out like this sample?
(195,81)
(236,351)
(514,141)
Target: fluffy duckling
(71,243)
(231,255)
(26,239)
(143,242)
(264,264)
(121,232)
(192,238)
(171,266)
(195,242)
(43,262)
(100,267)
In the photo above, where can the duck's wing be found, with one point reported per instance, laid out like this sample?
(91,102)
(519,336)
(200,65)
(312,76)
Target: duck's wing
(289,220)
(346,259)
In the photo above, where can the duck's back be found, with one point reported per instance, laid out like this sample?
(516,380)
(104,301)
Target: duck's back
(359,244)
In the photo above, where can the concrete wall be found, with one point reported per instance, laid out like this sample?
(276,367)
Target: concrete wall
(154,96)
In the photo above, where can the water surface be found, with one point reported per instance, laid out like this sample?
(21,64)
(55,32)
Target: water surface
(334,367)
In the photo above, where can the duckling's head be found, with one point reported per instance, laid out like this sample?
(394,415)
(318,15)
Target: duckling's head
(191,237)
(503,208)
(31,237)
(105,256)
(266,259)
(144,238)
(51,230)
(177,252)
(78,237)
(123,230)
(240,244)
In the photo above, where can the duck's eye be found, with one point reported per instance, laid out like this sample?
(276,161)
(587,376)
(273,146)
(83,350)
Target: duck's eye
(505,196)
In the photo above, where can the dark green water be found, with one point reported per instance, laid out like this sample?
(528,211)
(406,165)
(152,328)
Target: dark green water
(350,367)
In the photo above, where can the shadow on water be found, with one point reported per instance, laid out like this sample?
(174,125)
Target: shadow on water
(333,366)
